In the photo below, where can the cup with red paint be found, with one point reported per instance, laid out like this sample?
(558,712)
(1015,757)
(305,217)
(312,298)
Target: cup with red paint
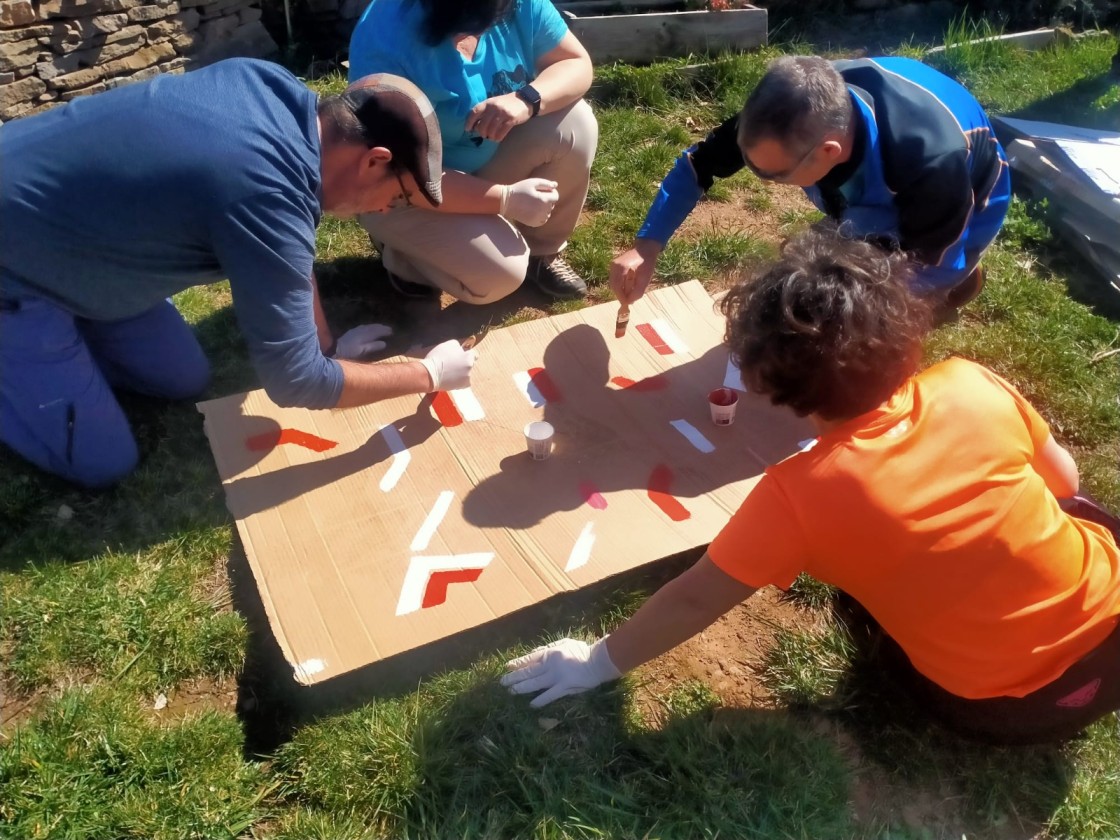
(538,439)
(723,402)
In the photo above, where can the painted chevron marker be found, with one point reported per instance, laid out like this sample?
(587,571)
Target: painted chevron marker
(693,435)
(431,522)
(537,387)
(270,440)
(662,337)
(731,378)
(470,408)
(525,385)
(427,578)
(401,458)
(581,551)
(658,490)
(445,409)
(650,383)
(592,496)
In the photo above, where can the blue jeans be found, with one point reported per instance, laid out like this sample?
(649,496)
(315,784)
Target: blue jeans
(57,372)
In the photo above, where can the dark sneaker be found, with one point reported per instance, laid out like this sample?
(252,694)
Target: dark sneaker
(555,277)
(408,289)
(967,290)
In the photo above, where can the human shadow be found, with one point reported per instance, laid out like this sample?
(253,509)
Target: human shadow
(251,494)
(616,434)
(486,764)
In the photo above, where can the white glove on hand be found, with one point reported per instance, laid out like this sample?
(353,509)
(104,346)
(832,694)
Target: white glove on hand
(449,365)
(529,202)
(362,341)
(559,669)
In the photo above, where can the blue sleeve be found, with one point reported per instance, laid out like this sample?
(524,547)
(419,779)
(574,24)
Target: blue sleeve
(675,199)
(266,246)
(548,27)
(372,49)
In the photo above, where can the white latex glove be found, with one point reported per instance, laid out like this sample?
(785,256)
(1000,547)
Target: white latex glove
(529,202)
(559,669)
(362,341)
(449,365)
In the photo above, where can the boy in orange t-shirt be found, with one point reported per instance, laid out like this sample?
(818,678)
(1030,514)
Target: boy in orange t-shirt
(931,498)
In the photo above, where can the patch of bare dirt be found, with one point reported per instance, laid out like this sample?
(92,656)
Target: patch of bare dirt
(193,698)
(727,657)
(758,211)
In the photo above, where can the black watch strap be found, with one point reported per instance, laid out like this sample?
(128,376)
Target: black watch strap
(531,97)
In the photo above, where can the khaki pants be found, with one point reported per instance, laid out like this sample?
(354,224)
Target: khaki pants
(483,258)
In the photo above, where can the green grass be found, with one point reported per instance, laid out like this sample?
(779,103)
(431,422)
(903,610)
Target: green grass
(108,598)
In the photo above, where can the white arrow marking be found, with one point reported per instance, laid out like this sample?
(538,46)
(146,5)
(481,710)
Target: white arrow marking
(421,569)
(467,403)
(693,435)
(581,551)
(428,529)
(401,457)
(732,379)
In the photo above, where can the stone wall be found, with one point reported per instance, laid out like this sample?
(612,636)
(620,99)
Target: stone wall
(52,51)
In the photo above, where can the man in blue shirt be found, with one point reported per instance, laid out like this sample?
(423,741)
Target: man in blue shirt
(888,147)
(112,203)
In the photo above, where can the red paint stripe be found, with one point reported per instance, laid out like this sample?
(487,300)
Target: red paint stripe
(592,496)
(270,440)
(655,341)
(446,411)
(436,591)
(545,385)
(650,383)
(660,482)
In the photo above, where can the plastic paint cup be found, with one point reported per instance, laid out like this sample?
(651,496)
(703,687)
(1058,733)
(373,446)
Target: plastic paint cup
(538,439)
(723,402)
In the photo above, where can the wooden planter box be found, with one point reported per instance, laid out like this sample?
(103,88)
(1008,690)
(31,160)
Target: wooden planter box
(646,30)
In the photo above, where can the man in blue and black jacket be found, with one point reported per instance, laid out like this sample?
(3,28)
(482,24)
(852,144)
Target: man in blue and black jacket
(888,147)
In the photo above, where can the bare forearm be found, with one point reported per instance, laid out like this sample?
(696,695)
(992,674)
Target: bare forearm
(364,383)
(463,193)
(563,83)
(666,620)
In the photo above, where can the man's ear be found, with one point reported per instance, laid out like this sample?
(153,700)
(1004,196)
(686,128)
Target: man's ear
(832,149)
(376,157)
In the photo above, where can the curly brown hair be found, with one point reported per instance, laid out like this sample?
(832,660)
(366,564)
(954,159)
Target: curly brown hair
(832,328)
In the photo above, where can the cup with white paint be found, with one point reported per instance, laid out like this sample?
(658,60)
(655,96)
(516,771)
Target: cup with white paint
(538,439)
(723,402)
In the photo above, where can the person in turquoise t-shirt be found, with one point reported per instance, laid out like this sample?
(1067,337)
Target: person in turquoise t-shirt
(507,80)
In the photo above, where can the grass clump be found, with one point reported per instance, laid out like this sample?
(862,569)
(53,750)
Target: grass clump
(91,767)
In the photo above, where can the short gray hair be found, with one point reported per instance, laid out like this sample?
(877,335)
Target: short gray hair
(799,99)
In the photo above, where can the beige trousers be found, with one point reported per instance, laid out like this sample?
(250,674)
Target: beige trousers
(483,258)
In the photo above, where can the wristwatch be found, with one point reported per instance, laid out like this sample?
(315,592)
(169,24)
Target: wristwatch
(531,97)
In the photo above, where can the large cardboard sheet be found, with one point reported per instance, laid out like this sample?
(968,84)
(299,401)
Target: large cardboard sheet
(375,530)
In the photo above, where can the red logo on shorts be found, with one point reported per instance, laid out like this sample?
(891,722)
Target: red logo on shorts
(1082,697)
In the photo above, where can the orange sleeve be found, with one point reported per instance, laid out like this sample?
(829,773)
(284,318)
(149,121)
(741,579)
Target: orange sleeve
(1038,428)
(762,543)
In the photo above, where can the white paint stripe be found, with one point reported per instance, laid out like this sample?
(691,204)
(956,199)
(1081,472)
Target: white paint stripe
(693,435)
(428,529)
(530,391)
(807,444)
(732,379)
(468,404)
(669,335)
(305,670)
(581,551)
(421,569)
(401,457)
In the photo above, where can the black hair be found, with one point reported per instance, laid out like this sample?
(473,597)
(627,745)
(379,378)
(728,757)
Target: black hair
(444,19)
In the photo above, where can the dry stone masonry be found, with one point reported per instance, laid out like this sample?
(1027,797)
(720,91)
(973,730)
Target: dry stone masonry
(54,50)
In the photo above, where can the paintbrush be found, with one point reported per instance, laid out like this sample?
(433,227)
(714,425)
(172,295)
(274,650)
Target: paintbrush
(621,322)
